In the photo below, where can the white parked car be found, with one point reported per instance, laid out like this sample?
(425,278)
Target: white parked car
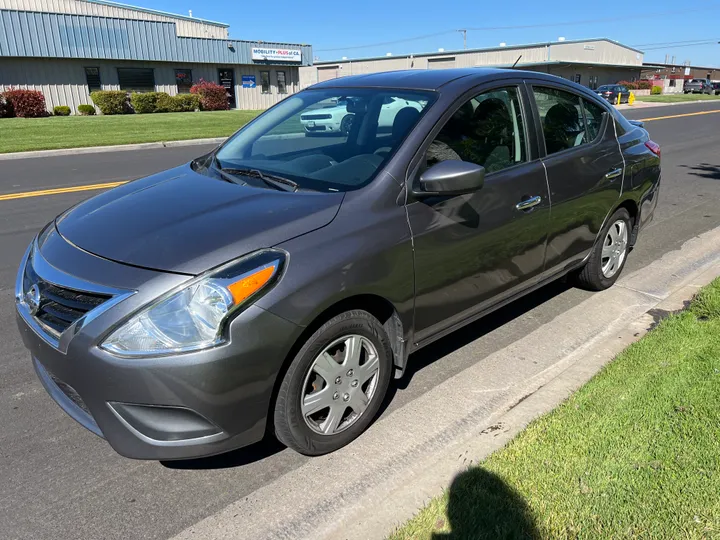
(337,120)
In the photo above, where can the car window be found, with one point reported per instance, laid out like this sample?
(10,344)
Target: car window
(487,130)
(594,117)
(334,139)
(561,117)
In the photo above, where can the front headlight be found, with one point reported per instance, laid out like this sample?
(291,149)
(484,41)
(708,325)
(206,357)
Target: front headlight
(194,317)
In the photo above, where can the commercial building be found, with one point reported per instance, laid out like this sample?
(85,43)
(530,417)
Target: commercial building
(69,48)
(679,72)
(590,62)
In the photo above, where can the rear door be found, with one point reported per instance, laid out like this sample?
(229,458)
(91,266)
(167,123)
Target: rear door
(473,250)
(584,167)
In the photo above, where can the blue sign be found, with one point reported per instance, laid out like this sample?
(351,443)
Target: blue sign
(248,81)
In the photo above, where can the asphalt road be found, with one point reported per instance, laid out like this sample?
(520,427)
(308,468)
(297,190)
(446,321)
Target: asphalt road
(60,481)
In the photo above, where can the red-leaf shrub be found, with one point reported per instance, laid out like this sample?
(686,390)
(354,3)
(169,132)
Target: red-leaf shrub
(3,106)
(629,85)
(213,97)
(25,103)
(644,85)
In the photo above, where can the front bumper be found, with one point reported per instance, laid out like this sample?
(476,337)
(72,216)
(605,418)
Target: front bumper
(172,407)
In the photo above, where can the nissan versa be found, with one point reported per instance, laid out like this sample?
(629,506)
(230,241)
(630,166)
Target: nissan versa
(280,282)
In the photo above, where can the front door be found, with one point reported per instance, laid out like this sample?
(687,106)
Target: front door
(585,171)
(474,250)
(227,79)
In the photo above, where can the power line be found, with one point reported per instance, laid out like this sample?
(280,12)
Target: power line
(675,42)
(686,45)
(522,27)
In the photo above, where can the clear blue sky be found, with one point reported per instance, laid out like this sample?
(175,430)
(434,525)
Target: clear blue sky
(337,25)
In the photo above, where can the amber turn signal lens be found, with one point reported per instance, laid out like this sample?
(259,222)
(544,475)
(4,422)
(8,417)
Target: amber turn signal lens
(249,285)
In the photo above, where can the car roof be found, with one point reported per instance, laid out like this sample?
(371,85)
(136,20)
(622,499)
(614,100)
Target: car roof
(417,79)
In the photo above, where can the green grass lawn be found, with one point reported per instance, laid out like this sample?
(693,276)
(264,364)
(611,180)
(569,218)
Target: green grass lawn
(634,453)
(677,98)
(21,134)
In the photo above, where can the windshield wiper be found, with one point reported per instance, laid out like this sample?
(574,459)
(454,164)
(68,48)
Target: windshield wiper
(272,180)
(229,177)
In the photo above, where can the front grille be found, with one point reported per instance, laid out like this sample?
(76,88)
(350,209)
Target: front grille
(316,117)
(59,306)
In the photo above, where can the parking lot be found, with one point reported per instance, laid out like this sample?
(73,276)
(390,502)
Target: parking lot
(60,481)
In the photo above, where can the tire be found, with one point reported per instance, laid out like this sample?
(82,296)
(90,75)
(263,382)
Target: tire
(318,429)
(596,275)
(346,124)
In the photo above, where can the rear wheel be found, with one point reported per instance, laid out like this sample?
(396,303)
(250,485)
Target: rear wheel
(608,257)
(346,124)
(335,385)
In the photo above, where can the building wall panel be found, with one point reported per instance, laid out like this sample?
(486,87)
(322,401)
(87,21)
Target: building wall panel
(83,36)
(596,52)
(63,82)
(185,26)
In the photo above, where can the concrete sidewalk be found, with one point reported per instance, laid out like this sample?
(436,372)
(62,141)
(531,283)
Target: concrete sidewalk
(366,489)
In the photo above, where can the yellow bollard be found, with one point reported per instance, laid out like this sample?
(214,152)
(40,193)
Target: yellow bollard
(617,102)
(631,99)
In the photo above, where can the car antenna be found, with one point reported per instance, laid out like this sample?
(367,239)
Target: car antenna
(516,61)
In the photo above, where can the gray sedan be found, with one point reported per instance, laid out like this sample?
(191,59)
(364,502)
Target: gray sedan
(278,284)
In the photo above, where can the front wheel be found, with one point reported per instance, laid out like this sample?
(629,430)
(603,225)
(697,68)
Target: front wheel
(335,385)
(608,256)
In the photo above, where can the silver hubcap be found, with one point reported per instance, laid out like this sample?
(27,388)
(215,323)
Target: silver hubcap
(614,249)
(340,384)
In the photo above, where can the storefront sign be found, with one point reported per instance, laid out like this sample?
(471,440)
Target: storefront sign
(248,81)
(276,55)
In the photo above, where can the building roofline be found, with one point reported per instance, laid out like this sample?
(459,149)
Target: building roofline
(481,49)
(157,12)
(569,63)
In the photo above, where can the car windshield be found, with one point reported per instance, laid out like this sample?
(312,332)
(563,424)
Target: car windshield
(334,139)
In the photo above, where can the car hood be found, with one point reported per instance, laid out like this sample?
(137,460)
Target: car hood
(185,222)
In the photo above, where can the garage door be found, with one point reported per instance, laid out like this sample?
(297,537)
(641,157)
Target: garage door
(327,73)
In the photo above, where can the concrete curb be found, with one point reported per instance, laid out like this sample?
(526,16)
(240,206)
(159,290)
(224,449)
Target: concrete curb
(113,148)
(374,484)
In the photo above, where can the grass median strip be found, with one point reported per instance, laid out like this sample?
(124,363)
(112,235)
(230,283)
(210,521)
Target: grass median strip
(634,453)
(25,134)
(677,98)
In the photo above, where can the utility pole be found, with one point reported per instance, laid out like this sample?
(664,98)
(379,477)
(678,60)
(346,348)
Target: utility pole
(464,33)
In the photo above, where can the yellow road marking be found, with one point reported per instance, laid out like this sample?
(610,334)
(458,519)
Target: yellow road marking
(58,191)
(678,115)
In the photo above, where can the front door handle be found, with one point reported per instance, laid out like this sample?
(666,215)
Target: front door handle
(614,174)
(529,203)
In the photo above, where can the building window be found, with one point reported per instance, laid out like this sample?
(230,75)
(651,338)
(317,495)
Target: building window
(578,78)
(672,70)
(593,82)
(265,82)
(136,79)
(92,76)
(183,79)
(282,87)
(672,82)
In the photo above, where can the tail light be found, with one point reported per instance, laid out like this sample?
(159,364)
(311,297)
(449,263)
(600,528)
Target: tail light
(606,93)
(653,147)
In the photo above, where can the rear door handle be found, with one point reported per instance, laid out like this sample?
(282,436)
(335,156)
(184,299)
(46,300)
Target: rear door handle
(614,174)
(527,204)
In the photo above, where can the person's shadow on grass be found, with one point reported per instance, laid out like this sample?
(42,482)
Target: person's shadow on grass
(481,505)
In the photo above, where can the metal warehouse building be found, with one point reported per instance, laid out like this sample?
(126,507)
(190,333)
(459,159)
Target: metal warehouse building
(590,62)
(69,48)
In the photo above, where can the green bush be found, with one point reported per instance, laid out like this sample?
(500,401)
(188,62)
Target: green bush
(145,102)
(656,90)
(111,101)
(61,110)
(86,110)
(179,103)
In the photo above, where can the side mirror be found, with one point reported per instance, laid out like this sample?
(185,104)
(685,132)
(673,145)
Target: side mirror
(451,177)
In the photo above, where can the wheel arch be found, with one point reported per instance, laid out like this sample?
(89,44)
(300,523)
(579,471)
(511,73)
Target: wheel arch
(379,307)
